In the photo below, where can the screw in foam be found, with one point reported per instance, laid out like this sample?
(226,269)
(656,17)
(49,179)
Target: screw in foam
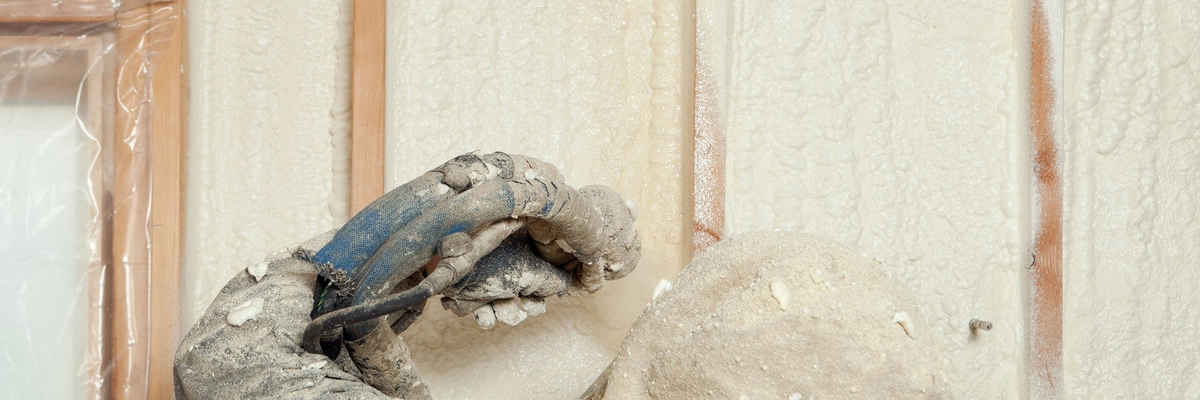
(979,325)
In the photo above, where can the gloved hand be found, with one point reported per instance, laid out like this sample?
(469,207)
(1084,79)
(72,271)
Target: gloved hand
(247,343)
(508,285)
(586,233)
(529,233)
(512,282)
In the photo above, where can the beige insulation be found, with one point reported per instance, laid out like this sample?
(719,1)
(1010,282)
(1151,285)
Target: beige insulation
(892,126)
(268,121)
(888,126)
(1132,223)
(720,333)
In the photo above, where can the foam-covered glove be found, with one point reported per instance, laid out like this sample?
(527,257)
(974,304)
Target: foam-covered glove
(532,234)
(247,345)
(508,285)
(511,283)
(588,233)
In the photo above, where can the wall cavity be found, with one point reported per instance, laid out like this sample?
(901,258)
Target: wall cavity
(1132,226)
(267,144)
(888,126)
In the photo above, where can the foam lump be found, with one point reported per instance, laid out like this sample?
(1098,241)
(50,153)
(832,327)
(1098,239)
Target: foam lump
(836,339)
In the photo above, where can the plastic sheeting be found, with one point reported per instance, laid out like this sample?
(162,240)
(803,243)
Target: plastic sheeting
(75,116)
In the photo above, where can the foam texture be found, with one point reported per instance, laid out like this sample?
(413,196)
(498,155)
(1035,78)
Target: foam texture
(268,120)
(889,126)
(1132,222)
(722,333)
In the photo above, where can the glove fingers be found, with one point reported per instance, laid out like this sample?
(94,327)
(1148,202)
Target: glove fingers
(413,245)
(511,270)
(509,311)
(461,307)
(535,306)
(507,285)
(370,228)
(485,316)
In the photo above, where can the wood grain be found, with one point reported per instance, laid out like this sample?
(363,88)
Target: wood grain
(168,134)
(130,273)
(368,102)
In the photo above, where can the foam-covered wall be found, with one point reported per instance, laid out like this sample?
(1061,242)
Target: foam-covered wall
(267,149)
(888,126)
(1132,222)
(894,127)
(595,88)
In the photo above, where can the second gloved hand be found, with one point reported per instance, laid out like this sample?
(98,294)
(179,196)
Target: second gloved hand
(512,282)
(508,285)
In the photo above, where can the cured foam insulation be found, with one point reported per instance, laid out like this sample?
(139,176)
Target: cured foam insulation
(593,88)
(888,126)
(267,153)
(551,356)
(881,124)
(1132,223)
(839,341)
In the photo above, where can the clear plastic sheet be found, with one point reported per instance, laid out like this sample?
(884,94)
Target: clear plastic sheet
(76,100)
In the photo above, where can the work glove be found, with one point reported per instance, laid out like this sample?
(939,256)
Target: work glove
(512,282)
(247,343)
(496,234)
(563,240)
(508,285)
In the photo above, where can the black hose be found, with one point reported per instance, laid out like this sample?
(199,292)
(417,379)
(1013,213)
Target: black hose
(361,312)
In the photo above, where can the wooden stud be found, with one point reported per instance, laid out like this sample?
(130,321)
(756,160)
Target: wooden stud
(1046,339)
(368,103)
(168,134)
(131,261)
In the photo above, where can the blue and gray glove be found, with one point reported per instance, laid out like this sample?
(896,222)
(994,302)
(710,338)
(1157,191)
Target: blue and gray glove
(495,234)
